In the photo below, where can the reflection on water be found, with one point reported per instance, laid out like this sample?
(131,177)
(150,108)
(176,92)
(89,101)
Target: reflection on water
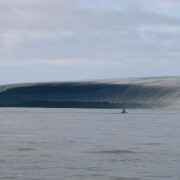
(84,144)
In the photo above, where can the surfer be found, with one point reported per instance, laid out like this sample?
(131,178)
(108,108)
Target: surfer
(124,111)
(124,107)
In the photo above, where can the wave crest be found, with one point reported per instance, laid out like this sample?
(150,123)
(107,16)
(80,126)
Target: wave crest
(115,93)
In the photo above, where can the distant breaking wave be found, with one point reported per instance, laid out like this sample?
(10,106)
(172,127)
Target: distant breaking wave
(115,93)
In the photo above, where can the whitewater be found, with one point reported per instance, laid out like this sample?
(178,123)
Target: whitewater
(152,92)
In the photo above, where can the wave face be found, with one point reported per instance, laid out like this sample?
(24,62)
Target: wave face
(115,93)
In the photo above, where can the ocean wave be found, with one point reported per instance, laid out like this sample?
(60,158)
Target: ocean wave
(114,93)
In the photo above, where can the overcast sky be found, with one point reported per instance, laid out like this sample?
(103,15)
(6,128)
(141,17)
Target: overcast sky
(57,40)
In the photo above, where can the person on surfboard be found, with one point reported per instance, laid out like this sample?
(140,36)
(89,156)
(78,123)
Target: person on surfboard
(124,107)
(124,111)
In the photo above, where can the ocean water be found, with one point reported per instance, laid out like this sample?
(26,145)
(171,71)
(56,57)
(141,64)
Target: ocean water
(132,93)
(89,144)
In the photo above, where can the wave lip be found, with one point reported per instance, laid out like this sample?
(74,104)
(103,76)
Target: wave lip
(114,93)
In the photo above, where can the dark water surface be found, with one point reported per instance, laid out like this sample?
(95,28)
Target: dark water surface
(89,144)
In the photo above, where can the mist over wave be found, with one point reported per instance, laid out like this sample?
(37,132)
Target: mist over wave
(115,93)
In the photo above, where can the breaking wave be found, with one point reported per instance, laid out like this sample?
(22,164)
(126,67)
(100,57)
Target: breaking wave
(115,93)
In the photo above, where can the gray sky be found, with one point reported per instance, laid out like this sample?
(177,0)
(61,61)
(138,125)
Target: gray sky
(56,40)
